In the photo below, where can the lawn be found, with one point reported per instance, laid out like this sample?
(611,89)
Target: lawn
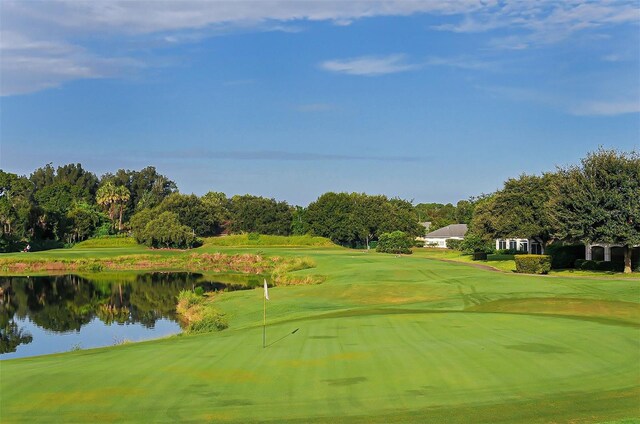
(384,339)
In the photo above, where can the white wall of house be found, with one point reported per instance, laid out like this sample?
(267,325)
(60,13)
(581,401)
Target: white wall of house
(440,241)
(531,246)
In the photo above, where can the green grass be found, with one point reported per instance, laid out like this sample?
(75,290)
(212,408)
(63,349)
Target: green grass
(499,262)
(384,339)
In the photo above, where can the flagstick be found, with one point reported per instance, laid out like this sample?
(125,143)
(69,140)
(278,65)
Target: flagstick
(264,322)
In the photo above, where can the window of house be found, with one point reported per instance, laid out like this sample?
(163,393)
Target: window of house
(502,244)
(512,244)
(524,246)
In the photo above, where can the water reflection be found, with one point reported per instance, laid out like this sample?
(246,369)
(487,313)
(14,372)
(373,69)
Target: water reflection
(67,303)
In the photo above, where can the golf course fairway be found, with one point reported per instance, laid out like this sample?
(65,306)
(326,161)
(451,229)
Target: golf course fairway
(384,339)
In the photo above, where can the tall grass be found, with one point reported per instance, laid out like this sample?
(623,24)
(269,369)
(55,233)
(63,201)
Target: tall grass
(268,240)
(106,242)
(198,314)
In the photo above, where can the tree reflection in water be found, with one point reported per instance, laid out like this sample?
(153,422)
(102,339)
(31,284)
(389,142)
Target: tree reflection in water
(67,302)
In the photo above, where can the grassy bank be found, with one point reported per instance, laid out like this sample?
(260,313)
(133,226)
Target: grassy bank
(385,339)
(268,240)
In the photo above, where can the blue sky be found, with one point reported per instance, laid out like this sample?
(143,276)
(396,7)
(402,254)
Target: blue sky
(427,100)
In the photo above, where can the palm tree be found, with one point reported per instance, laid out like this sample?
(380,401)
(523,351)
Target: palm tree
(114,200)
(123,196)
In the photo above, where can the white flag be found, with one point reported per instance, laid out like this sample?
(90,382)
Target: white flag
(266,290)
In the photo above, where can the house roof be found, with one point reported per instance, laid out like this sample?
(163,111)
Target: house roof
(453,230)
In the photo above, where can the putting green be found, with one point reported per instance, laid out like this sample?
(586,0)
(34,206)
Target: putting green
(384,339)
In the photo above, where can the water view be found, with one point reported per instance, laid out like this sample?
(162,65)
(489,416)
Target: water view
(43,315)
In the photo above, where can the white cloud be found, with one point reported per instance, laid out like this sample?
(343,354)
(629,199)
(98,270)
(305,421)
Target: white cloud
(55,34)
(30,65)
(606,108)
(572,105)
(369,65)
(545,22)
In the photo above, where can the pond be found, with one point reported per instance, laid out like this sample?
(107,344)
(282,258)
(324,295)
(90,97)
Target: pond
(43,315)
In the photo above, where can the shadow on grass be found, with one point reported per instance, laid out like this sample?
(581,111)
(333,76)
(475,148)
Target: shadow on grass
(283,337)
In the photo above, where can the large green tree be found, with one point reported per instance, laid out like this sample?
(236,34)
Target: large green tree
(147,187)
(516,211)
(204,219)
(355,219)
(438,214)
(260,215)
(18,211)
(599,201)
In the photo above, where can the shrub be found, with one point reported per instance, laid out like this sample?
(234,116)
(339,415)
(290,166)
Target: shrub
(199,291)
(533,264)
(590,265)
(474,243)
(454,244)
(212,320)
(511,252)
(479,256)
(565,256)
(395,242)
(166,231)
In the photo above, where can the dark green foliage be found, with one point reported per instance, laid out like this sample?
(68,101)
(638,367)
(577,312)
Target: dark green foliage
(166,231)
(82,184)
(193,213)
(254,214)
(564,256)
(474,243)
(454,244)
(83,221)
(396,242)
(590,265)
(464,211)
(438,214)
(479,256)
(533,264)
(511,252)
(516,211)
(299,223)
(356,219)
(147,187)
(599,201)
(38,245)
(18,212)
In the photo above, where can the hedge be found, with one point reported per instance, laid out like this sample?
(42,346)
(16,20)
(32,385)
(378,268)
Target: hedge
(589,265)
(479,256)
(395,242)
(533,264)
(565,256)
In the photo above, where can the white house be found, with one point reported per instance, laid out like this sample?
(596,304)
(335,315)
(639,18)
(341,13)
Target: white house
(439,237)
(531,246)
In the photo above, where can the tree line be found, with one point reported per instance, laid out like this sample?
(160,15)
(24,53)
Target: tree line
(68,204)
(596,201)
